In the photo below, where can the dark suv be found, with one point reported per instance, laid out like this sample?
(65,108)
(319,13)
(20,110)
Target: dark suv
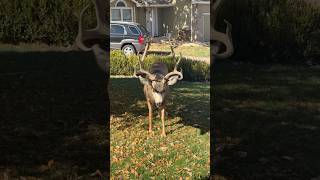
(130,37)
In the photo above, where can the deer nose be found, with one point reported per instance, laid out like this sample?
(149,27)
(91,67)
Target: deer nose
(158,105)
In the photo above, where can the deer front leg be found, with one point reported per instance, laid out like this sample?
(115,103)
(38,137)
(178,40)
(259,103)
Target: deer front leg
(162,119)
(150,116)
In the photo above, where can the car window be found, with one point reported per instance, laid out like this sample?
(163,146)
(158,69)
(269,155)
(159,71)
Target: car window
(117,29)
(143,29)
(134,30)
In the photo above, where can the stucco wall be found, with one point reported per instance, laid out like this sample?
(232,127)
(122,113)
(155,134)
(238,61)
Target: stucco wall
(197,29)
(141,16)
(174,18)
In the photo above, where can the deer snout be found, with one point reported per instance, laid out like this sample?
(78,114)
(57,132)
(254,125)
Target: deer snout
(158,104)
(158,99)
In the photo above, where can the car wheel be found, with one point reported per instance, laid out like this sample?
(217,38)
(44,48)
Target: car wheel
(128,49)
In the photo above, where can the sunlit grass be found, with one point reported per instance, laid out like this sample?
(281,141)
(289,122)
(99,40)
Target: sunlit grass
(183,153)
(190,49)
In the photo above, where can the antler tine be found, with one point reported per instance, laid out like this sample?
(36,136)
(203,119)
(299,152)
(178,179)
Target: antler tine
(145,51)
(143,56)
(172,50)
(216,5)
(100,31)
(140,62)
(101,19)
(147,73)
(176,66)
(80,30)
(224,38)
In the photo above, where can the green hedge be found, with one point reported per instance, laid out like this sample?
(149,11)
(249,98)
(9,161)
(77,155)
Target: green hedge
(192,70)
(42,21)
(273,30)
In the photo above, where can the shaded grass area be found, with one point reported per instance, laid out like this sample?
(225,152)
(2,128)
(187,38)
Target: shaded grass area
(53,115)
(183,153)
(193,50)
(266,121)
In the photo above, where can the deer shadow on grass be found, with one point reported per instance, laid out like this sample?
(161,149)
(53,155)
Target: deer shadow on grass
(53,107)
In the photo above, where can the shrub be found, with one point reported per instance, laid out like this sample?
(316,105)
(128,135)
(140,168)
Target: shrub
(192,70)
(273,30)
(42,21)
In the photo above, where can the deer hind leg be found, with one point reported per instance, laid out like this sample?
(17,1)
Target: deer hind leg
(150,115)
(162,119)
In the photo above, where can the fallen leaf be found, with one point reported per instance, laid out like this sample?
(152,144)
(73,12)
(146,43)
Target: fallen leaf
(50,163)
(163,148)
(287,158)
(43,168)
(263,160)
(242,154)
(315,178)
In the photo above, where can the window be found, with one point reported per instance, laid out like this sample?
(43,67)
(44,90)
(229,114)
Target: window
(120,4)
(127,15)
(134,30)
(121,12)
(117,29)
(143,29)
(116,14)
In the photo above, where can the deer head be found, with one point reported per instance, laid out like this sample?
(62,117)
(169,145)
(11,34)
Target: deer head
(157,80)
(95,39)
(224,38)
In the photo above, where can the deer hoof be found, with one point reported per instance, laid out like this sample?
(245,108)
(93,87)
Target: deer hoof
(151,132)
(163,134)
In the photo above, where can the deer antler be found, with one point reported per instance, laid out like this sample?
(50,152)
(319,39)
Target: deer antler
(224,38)
(86,39)
(175,71)
(172,49)
(95,39)
(141,71)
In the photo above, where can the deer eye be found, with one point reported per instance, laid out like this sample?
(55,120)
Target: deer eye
(154,90)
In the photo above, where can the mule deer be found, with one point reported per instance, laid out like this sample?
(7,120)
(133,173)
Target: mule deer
(156,83)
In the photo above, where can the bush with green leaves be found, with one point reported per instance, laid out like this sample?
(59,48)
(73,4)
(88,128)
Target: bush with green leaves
(42,21)
(192,70)
(273,30)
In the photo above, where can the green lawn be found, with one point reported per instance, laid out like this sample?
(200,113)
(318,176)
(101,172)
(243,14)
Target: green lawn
(183,153)
(191,49)
(266,121)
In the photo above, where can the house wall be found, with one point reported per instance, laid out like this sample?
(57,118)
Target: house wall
(171,19)
(141,16)
(198,26)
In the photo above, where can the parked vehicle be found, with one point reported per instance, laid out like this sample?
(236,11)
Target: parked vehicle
(130,37)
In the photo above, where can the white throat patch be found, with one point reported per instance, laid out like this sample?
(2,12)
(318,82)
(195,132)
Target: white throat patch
(157,97)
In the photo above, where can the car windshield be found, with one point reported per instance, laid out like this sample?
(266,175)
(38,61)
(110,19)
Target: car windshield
(143,29)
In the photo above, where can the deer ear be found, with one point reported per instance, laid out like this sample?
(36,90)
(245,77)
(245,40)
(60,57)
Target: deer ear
(143,77)
(143,80)
(173,80)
